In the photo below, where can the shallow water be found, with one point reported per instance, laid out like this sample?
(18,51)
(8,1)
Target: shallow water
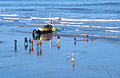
(95,17)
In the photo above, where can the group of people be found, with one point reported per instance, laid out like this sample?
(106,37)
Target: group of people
(26,41)
(31,42)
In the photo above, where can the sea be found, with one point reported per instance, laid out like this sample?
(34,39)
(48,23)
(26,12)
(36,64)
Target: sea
(99,18)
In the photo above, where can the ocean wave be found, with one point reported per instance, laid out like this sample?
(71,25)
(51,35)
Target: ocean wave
(19,26)
(57,18)
(112,30)
(16,18)
(70,23)
(87,26)
(9,15)
(35,24)
(43,18)
(11,18)
(102,27)
(7,20)
(66,19)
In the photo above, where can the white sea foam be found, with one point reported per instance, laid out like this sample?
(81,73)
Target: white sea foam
(102,27)
(67,24)
(11,18)
(9,15)
(24,21)
(70,23)
(7,20)
(112,30)
(78,24)
(66,19)
(34,24)
(25,18)
(77,30)
(40,18)
(54,18)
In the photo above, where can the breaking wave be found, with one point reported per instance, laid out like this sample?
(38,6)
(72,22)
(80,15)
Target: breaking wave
(66,19)
(9,15)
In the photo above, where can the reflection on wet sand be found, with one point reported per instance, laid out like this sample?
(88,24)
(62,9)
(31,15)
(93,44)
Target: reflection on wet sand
(48,37)
(26,46)
(58,39)
(73,65)
(58,45)
(84,40)
(30,49)
(15,49)
(40,51)
(92,39)
(73,60)
(87,39)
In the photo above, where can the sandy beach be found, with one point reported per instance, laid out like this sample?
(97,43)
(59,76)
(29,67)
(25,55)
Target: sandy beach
(94,57)
(75,56)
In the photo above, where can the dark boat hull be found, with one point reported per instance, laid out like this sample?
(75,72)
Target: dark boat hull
(41,32)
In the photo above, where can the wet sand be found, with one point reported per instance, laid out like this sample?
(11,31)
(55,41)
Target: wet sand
(1,42)
(94,57)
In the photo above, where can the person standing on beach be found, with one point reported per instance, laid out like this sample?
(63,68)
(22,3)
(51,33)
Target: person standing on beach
(40,44)
(58,38)
(26,41)
(30,40)
(15,41)
(74,41)
(37,43)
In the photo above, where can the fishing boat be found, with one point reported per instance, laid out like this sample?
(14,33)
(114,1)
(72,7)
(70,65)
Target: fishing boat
(47,27)
(43,37)
(42,30)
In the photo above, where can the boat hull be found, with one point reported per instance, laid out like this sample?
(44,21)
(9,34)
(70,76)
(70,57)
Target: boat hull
(43,30)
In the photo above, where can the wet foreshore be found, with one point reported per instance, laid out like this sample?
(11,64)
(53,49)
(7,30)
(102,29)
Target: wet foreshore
(94,57)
